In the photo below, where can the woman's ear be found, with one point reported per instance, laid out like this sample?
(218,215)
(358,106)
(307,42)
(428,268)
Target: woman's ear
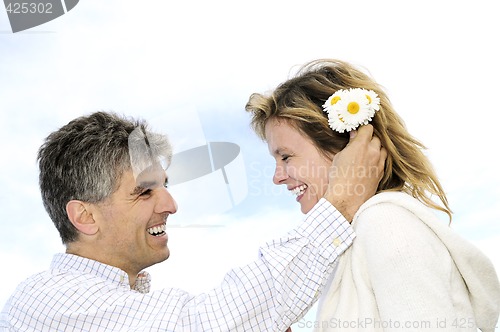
(81,218)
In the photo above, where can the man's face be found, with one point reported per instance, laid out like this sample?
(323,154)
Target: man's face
(132,221)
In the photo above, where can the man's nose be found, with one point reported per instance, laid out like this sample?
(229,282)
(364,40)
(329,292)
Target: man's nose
(166,203)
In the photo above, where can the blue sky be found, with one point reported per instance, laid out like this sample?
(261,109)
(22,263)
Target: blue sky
(189,68)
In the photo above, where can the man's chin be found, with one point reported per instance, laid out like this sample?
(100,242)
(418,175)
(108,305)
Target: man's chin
(161,258)
(166,256)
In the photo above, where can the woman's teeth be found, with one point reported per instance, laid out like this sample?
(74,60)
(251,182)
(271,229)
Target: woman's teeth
(299,190)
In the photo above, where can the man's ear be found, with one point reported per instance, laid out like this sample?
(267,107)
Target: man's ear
(81,218)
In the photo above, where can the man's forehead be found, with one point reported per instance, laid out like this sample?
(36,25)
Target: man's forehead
(147,150)
(152,175)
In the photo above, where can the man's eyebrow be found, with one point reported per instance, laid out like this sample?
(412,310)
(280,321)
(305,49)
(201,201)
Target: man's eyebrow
(143,185)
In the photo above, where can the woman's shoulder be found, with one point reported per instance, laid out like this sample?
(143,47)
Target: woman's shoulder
(395,212)
(395,228)
(392,203)
(391,198)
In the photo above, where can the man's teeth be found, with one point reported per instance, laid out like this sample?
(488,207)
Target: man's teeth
(299,190)
(157,230)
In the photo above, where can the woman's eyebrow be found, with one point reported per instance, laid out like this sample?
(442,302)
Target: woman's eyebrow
(279,151)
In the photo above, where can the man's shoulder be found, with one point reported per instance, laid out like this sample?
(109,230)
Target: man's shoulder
(32,282)
(51,283)
(24,294)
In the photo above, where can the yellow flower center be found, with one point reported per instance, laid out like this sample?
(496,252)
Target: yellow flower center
(369,99)
(334,100)
(353,107)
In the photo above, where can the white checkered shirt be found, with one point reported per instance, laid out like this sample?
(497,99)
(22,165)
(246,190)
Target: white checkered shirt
(78,294)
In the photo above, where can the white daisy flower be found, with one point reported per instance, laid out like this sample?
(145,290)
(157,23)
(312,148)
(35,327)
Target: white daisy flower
(348,109)
(335,122)
(333,99)
(373,99)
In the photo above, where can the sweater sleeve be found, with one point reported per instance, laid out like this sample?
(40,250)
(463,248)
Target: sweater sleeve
(410,271)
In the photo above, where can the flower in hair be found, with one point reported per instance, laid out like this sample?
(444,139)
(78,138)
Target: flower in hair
(348,109)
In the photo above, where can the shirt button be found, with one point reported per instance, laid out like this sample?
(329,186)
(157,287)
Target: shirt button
(337,242)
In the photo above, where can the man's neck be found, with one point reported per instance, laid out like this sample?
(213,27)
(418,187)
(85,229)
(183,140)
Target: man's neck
(77,250)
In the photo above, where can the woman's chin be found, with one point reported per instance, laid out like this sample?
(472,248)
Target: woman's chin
(305,207)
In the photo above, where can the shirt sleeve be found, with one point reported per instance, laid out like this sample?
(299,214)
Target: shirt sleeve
(276,290)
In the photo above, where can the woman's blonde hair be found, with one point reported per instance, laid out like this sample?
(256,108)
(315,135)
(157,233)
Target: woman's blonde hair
(299,100)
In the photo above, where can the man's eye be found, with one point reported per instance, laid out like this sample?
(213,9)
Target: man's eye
(145,192)
(285,157)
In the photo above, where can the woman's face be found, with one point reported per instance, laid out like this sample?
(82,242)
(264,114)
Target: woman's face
(299,165)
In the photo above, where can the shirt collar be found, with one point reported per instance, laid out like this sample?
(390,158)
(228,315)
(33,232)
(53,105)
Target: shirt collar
(72,262)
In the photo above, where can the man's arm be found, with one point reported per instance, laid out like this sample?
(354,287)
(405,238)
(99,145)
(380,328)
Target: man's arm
(276,290)
(356,172)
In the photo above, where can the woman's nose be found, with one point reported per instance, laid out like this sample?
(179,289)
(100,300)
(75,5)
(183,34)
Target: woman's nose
(280,175)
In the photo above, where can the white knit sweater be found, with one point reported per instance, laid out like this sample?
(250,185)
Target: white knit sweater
(408,271)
